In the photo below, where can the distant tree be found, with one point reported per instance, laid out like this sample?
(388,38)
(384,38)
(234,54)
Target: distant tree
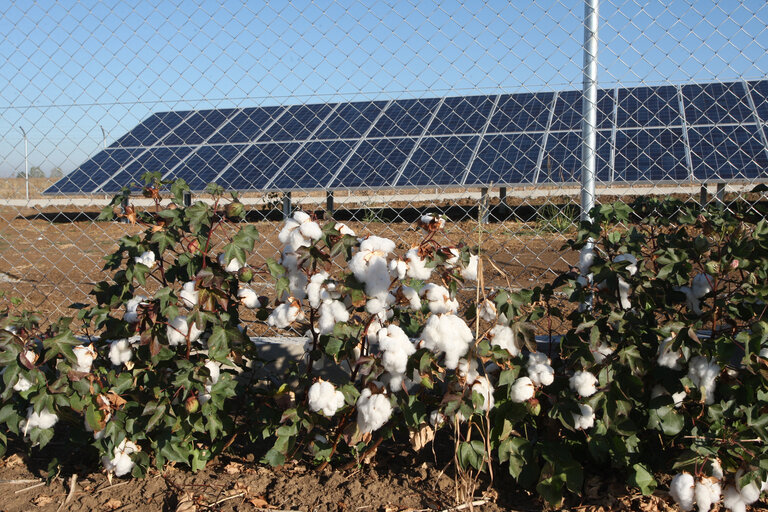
(34,172)
(56,172)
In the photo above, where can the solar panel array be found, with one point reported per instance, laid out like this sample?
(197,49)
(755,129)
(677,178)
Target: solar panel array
(706,133)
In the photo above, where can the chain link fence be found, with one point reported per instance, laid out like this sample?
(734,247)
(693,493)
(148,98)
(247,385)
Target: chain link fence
(372,113)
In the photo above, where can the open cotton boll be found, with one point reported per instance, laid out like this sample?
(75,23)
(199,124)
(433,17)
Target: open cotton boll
(586,419)
(147,258)
(343,229)
(417,268)
(381,305)
(439,299)
(120,352)
(468,370)
(487,311)
(188,294)
(398,269)
(666,357)
(624,290)
(522,390)
(331,311)
(373,411)
(693,302)
(131,309)
(436,418)
(285,314)
(232,265)
(85,356)
(429,223)
(703,372)
(44,419)
(484,387)
(314,286)
(454,258)
(396,348)
(470,271)
(121,464)
(311,230)
(682,490)
(248,297)
(412,296)
(583,383)
(324,398)
(701,285)
(706,493)
(447,334)
(369,265)
(539,370)
(503,336)
(601,352)
(22,384)
(178,329)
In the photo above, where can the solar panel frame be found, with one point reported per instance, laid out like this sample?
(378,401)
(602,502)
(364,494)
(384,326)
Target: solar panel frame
(158,159)
(461,115)
(716,103)
(436,159)
(104,162)
(531,112)
(736,151)
(152,129)
(406,118)
(650,154)
(505,159)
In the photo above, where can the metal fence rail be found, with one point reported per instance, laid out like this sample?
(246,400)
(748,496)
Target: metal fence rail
(513,114)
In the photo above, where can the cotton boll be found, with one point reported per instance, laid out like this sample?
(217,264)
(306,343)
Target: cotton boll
(430,223)
(120,352)
(331,312)
(682,490)
(750,493)
(121,464)
(453,260)
(703,373)
(248,298)
(439,299)
(706,493)
(314,288)
(677,398)
(470,271)
(188,294)
(701,285)
(398,269)
(601,352)
(311,230)
(131,309)
(522,390)
(503,336)
(693,302)
(539,370)
(369,265)
(373,411)
(297,284)
(85,356)
(586,419)
(396,348)
(417,268)
(666,357)
(583,383)
(147,258)
(732,500)
(447,334)
(323,397)
(232,266)
(44,419)
(381,305)
(436,418)
(22,384)
(468,370)
(484,387)
(487,311)
(412,296)
(343,229)
(285,314)
(178,329)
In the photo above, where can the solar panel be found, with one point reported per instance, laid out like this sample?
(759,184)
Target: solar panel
(202,167)
(759,92)
(94,172)
(257,166)
(505,159)
(561,161)
(521,112)
(313,166)
(297,123)
(150,130)
(569,105)
(650,155)
(716,103)
(159,159)
(647,107)
(246,126)
(350,120)
(197,127)
(727,152)
(438,161)
(462,114)
(375,164)
(405,118)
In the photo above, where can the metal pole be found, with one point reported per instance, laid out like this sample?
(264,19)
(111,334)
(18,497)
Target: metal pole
(103,137)
(26,161)
(589,126)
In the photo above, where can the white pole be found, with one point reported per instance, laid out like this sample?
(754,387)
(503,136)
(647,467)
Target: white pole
(26,161)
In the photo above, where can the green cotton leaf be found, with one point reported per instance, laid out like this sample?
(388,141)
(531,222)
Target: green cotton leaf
(522,459)
(164,239)
(282,287)
(642,478)
(666,420)
(275,268)
(178,188)
(198,215)
(61,344)
(246,237)
(41,436)
(508,377)
(471,454)
(274,458)
(550,486)
(333,347)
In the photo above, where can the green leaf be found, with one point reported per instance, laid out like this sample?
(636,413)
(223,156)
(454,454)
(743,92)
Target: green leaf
(642,478)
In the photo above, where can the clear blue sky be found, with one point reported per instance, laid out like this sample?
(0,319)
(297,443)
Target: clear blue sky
(70,68)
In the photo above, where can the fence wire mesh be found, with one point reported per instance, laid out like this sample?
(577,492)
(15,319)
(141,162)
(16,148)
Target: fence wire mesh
(372,113)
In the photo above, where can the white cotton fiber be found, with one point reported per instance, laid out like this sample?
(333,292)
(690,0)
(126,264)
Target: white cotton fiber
(369,265)
(703,373)
(331,311)
(503,336)
(44,419)
(666,357)
(380,305)
(121,464)
(682,490)
(131,309)
(285,314)
(188,294)
(539,369)
(487,311)
(522,390)
(232,265)
(412,296)
(314,287)
(585,419)
(470,271)
(120,352)
(439,299)
(373,411)
(468,370)
(706,493)
(22,384)
(177,331)
(323,397)
(601,352)
(343,229)
(447,334)
(214,369)
(693,302)
(398,269)
(583,383)
(147,258)
(484,387)
(396,348)
(248,297)
(85,356)
(417,268)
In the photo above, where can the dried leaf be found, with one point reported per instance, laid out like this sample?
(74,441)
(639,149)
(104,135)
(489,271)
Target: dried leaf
(14,460)
(186,503)
(420,438)
(113,504)
(233,468)
(259,502)
(42,500)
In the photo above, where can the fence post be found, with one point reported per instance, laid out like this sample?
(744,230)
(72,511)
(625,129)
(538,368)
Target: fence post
(589,118)
(26,161)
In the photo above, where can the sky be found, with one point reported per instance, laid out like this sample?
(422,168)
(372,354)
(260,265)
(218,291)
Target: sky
(72,69)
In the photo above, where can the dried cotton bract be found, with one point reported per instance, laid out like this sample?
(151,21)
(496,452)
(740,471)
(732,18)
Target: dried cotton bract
(583,383)
(373,411)
(324,398)
(447,334)
(121,464)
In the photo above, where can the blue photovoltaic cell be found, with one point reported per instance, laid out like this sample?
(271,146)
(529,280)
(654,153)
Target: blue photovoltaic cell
(561,162)
(374,164)
(647,107)
(205,164)
(157,159)
(246,126)
(350,120)
(438,161)
(760,97)
(313,166)
(568,108)
(716,103)
(650,155)
(460,115)
(506,159)
(727,152)
(89,176)
(197,127)
(405,118)
(149,131)
(297,123)
(255,167)
(521,112)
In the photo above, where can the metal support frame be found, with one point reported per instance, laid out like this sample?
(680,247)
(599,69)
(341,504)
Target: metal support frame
(286,205)
(329,202)
(26,161)
(187,199)
(703,195)
(720,194)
